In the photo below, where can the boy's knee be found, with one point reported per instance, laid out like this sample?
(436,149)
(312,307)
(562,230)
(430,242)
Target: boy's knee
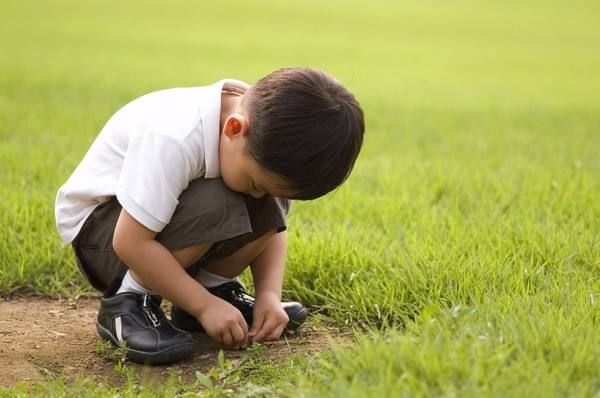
(207,212)
(191,254)
(209,199)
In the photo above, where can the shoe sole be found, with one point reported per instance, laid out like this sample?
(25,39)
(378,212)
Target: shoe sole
(171,354)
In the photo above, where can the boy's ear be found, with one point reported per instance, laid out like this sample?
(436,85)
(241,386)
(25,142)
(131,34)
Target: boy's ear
(235,124)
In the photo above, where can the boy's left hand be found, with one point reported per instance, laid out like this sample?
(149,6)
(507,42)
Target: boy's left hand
(269,318)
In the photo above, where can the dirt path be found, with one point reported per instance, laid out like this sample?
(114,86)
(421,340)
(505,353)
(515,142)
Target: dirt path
(40,336)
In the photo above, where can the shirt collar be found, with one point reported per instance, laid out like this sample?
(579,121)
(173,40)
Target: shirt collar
(211,115)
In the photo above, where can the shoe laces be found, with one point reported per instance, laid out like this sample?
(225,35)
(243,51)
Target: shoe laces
(150,312)
(239,291)
(240,298)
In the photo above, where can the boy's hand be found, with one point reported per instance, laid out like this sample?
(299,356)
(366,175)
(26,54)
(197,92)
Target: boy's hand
(269,318)
(224,323)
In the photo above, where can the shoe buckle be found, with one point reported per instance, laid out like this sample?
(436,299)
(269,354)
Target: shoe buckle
(150,315)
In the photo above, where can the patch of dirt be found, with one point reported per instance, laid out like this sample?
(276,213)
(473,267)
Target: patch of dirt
(41,337)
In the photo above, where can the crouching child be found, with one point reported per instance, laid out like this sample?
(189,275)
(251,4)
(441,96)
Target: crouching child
(185,188)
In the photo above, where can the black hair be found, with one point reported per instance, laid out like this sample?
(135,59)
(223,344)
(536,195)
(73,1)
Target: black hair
(305,127)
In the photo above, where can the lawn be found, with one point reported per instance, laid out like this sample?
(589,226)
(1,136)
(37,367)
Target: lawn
(463,254)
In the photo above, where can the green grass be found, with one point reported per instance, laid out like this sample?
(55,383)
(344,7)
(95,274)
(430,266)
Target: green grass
(467,241)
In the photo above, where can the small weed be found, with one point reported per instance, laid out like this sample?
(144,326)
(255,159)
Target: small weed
(108,351)
(223,380)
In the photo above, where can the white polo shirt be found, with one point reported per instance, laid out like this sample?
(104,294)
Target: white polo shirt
(146,155)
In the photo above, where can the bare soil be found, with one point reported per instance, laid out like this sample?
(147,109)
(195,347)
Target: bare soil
(41,337)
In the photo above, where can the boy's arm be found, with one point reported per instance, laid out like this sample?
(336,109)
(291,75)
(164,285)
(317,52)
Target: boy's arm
(267,272)
(159,271)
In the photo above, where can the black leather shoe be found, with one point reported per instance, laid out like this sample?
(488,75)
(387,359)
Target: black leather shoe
(138,320)
(235,294)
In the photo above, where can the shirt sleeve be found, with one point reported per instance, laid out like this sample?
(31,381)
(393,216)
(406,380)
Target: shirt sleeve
(156,170)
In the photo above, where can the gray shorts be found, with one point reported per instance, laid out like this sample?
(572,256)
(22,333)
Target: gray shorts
(208,212)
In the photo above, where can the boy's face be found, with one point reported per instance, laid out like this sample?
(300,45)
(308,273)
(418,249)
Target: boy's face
(240,172)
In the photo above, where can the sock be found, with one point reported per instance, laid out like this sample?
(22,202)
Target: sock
(130,285)
(208,279)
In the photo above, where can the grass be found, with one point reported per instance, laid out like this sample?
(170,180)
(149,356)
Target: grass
(464,249)
(223,380)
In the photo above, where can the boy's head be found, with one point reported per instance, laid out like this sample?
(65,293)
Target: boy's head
(301,128)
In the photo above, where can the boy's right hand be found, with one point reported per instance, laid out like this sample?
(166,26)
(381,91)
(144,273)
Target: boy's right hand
(224,323)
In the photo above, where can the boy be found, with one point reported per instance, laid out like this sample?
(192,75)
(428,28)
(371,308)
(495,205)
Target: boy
(185,188)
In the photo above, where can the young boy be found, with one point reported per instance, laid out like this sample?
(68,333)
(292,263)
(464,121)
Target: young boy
(185,188)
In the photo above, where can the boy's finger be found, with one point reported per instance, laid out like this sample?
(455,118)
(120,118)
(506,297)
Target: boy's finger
(257,324)
(226,338)
(265,330)
(276,334)
(244,342)
(238,336)
(243,325)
